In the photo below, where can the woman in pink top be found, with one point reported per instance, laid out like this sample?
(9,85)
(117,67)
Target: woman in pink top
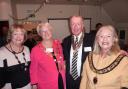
(47,69)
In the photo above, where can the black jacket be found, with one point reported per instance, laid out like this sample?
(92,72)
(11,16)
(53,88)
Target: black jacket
(66,44)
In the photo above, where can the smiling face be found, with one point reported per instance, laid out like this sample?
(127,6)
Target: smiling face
(105,38)
(17,36)
(76,24)
(46,33)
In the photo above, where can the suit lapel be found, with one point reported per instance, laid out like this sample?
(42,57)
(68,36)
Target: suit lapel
(85,43)
(69,47)
(68,53)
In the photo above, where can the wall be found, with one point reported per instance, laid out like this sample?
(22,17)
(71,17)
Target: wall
(123,26)
(5,10)
(48,11)
(64,11)
(96,13)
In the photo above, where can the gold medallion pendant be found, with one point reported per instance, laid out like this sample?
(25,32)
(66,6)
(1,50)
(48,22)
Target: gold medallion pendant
(95,80)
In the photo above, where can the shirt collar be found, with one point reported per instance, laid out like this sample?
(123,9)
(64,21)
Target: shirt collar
(78,36)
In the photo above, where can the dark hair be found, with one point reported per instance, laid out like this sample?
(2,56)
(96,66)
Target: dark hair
(29,32)
(98,24)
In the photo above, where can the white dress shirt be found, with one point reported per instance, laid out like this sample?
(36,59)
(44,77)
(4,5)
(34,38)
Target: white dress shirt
(79,56)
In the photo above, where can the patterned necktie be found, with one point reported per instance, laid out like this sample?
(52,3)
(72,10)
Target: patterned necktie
(74,71)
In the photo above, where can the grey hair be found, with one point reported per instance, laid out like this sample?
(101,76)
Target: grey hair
(41,25)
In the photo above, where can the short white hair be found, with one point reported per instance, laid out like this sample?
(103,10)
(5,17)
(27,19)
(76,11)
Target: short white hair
(41,25)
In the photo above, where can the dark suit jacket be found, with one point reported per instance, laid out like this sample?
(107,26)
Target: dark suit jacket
(66,44)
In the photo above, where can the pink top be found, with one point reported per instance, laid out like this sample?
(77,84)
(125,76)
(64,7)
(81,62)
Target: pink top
(43,70)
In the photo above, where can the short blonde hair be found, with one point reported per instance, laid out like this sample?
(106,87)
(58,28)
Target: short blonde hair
(41,25)
(13,28)
(115,47)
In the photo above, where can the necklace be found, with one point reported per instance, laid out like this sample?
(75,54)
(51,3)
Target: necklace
(14,53)
(107,69)
(95,80)
(75,47)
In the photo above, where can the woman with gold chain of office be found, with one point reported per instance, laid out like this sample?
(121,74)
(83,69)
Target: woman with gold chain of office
(105,67)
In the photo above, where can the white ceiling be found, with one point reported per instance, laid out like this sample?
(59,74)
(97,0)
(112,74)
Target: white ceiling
(117,9)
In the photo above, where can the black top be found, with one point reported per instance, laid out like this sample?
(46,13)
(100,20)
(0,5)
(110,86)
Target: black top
(17,75)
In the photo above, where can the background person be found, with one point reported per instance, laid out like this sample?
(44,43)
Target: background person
(105,67)
(47,68)
(30,42)
(3,36)
(97,27)
(15,60)
(75,48)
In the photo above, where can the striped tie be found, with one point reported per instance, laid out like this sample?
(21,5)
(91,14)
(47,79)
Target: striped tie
(74,71)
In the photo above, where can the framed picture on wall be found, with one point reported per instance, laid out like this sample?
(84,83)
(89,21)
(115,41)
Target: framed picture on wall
(87,23)
(60,26)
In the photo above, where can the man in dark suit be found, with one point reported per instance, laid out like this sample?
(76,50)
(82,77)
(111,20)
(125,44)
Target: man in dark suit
(83,46)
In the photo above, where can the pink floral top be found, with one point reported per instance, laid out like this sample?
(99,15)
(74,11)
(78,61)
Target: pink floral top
(43,70)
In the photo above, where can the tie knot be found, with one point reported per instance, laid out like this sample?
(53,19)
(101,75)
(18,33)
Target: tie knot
(76,40)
